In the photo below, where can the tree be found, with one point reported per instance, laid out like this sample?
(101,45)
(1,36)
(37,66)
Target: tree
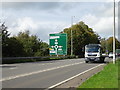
(23,44)
(43,50)
(32,45)
(10,46)
(14,48)
(82,35)
(104,45)
(4,34)
(110,44)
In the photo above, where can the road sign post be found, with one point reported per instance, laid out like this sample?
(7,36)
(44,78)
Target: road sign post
(58,44)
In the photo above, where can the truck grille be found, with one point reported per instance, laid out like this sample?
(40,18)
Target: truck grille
(92,54)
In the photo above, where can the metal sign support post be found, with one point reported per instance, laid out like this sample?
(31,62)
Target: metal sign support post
(114,36)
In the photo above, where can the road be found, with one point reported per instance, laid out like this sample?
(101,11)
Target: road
(45,74)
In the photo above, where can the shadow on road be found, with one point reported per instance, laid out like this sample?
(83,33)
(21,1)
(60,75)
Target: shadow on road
(7,66)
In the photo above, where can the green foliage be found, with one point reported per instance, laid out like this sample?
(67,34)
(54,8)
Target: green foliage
(32,46)
(13,48)
(23,44)
(107,45)
(103,45)
(110,44)
(4,33)
(82,35)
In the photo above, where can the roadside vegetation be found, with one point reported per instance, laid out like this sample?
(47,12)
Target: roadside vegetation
(26,45)
(107,78)
(22,45)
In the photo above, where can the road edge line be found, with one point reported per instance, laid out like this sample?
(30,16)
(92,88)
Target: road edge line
(53,86)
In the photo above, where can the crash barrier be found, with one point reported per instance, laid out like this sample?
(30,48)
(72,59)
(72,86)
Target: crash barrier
(9,60)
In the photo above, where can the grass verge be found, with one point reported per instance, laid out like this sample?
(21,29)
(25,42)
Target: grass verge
(107,78)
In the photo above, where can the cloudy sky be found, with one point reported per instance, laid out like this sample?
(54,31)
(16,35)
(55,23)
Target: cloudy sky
(43,18)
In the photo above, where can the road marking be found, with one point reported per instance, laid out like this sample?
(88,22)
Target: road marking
(14,68)
(41,64)
(10,65)
(36,72)
(53,86)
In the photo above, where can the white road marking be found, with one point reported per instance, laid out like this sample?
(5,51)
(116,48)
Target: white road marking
(72,77)
(36,72)
(41,64)
(14,68)
(10,65)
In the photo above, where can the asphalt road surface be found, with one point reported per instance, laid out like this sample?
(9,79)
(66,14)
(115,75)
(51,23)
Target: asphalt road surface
(45,74)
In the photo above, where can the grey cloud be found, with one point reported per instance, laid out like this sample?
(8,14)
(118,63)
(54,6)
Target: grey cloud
(40,5)
(59,11)
(30,5)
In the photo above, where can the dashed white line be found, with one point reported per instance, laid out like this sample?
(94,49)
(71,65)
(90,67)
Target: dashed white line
(41,64)
(13,68)
(36,72)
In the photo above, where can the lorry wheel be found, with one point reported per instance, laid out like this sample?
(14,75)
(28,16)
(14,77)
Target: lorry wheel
(103,61)
(86,61)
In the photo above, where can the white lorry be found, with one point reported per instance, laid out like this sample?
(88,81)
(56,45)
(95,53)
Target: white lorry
(93,53)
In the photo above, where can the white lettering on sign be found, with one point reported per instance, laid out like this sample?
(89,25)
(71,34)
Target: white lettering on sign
(54,37)
(60,46)
(60,49)
(56,42)
(52,52)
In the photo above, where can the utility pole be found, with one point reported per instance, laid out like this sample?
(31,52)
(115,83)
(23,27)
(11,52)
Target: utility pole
(114,35)
(72,35)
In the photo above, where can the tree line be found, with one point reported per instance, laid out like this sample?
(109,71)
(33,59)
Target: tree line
(107,44)
(22,45)
(82,35)
(25,45)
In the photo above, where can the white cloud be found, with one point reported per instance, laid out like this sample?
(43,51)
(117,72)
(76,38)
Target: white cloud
(102,25)
(102,22)
(22,24)
(27,23)
(42,20)
(40,28)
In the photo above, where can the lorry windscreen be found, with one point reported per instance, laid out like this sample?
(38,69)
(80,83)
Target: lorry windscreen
(92,49)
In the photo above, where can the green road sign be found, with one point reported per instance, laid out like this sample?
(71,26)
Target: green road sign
(58,44)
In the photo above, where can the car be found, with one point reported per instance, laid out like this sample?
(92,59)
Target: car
(110,55)
(118,54)
(104,55)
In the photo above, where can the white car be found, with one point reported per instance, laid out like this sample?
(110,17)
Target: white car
(104,55)
(110,55)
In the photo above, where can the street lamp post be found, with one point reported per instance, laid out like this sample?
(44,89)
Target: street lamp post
(72,36)
(114,36)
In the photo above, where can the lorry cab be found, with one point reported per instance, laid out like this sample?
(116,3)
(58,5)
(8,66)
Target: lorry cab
(93,52)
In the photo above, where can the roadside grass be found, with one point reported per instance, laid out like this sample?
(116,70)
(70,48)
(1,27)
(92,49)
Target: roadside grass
(119,74)
(107,78)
